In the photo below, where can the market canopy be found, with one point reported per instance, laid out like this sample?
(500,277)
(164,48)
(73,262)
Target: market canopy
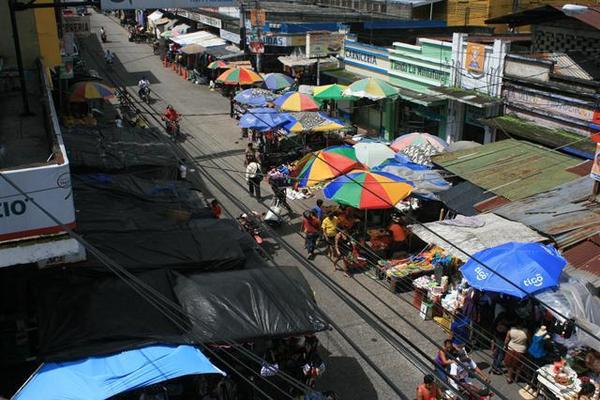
(516,269)
(202,38)
(83,315)
(99,378)
(312,121)
(371,88)
(474,234)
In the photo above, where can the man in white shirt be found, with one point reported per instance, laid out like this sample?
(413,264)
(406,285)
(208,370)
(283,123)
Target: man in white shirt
(253,177)
(143,84)
(460,374)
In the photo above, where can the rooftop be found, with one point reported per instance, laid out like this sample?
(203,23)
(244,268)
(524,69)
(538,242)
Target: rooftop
(589,15)
(24,141)
(510,168)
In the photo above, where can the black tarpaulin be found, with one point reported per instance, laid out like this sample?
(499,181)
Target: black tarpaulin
(83,315)
(143,151)
(249,304)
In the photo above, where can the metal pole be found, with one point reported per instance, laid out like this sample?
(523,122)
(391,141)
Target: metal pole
(17,44)
(431,10)
(318,71)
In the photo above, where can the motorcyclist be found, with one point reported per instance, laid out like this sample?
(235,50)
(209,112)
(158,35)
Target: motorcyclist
(143,86)
(102,34)
(171,117)
(108,57)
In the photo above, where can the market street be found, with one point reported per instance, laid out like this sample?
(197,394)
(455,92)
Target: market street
(366,311)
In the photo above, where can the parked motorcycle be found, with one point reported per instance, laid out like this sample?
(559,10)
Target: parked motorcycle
(250,224)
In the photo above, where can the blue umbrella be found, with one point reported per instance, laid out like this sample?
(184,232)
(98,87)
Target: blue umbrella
(426,180)
(263,119)
(525,268)
(255,97)
(277,81)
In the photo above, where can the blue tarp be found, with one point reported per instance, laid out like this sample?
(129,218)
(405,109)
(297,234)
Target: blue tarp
(98,378)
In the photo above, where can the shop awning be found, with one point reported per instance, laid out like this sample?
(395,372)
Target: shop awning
(224,52)
(470,97)
(97,378)
(568,141)
(473,234)
(202,38)
(155,16)
(428,98)
(294,61)
(342,76)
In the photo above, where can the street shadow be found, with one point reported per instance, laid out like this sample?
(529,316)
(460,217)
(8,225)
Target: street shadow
(340,372)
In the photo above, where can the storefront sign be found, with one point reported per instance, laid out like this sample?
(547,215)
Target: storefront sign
(595,173)
(204,19)
(230,36)
(321,44)
(428,73)
(531,101)
(367,58)
(282,41)
(475,57)
(78,24)
(154,4)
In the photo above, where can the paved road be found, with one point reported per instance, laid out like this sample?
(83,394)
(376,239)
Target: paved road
(372,321)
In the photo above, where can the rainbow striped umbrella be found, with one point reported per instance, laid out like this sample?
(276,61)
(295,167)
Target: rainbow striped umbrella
(218,64)
(371,88)
(330,92)
(368,190)
(311,121)
(296,101)
(416,138)
(326,164)
(239,76)
(278,81)
(90,90)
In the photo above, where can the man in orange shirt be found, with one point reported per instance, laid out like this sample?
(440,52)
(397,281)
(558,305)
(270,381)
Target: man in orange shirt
(399,236)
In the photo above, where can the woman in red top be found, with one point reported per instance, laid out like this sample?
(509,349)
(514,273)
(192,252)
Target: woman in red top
(311,227)
(215,209)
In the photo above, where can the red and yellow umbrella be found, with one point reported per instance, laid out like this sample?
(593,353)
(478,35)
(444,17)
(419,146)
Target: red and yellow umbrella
(239,76)
(326,164)
(90,90)
(217,64)
(296,101)
(368,190)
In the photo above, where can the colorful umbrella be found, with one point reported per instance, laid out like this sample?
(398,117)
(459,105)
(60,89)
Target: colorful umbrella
(312,122)
(239,76)
(331,92)
(425,180)
(296,101)
(217,64)
(255,97)
(326,164)
(418,138)
(277,81)
(371,88)
(90,90)
(263,119)
(368,190)
(522,269)
(420,153)
(372,153)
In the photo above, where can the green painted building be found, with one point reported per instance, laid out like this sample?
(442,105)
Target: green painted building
(417,70)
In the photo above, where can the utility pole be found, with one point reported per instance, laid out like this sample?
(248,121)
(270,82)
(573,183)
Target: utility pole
(17,43)
(258,35)
(242,27)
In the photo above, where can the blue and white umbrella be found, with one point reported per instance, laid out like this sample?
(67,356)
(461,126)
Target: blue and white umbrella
(255,97)
(426,181)
(263,119)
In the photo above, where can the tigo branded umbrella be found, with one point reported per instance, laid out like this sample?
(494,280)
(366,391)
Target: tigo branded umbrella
(516,269)
(368,190)
(90,90)
(370,88)
(277,81)
(326,164)
(239,76)
(263,119)
(255,97)
(420,139)
(372,153)
(295,101)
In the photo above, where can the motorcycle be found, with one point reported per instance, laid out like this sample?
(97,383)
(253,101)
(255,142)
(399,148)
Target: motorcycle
(172,127)
(144,94)
(103,37)
(249,223)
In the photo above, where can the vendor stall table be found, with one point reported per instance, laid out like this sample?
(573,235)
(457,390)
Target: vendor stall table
(550,389)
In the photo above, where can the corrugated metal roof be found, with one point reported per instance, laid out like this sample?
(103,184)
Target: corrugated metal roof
(584,260)
(582,169)
(473,234)
(548,13)
(565,214)
(510,168)
(564,65)
(461,197)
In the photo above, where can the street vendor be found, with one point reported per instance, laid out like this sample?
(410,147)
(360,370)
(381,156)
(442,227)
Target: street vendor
(329,228)
(398,234)
(346,218)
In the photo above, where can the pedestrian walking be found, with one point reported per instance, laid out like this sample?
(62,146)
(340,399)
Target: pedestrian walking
(516,342)
(254,176)
(329,228)
(281,196)
(249,154)
(428,390)
(318,210)
(231,105)
(500,329)
(182,170)
(311,227)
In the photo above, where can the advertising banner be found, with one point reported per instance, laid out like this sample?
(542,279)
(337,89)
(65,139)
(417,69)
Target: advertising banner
(155,4)
(258,17)
(77,24)
(595,173)
(475,57)
(321,44)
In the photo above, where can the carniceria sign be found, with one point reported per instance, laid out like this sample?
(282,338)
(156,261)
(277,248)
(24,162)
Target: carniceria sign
(360,56)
